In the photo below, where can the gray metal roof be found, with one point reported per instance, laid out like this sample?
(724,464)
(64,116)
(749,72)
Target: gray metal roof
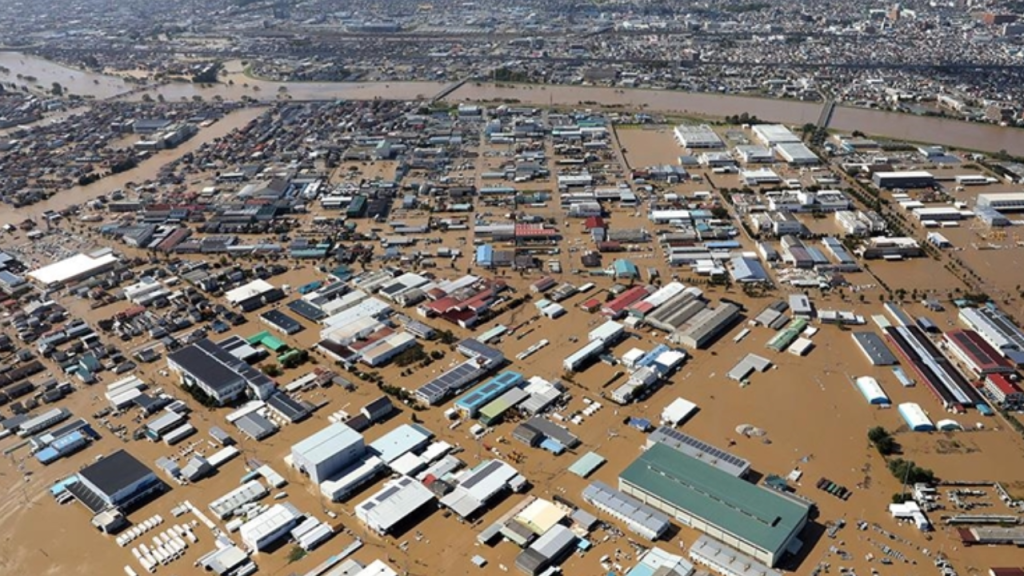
(874,348)
(604,496)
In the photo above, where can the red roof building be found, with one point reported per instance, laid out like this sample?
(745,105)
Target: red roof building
(593,222)
(591,305)
(1005,391)
(975,353)
(618,306)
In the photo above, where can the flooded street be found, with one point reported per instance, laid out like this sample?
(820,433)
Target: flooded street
(952,133)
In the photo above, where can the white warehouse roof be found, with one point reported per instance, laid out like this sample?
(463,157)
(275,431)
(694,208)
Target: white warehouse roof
(77,266)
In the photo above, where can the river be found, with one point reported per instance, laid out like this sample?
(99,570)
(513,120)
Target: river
(986,137)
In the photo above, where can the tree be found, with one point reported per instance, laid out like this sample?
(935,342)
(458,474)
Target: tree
(272,370)
(882,440)
(909,472)
(56,89)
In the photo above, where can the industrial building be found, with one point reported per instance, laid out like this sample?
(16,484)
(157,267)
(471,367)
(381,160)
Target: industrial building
(262,531)
(218,373)
(945,381)
(73,269)
(874,349)
(755,520)
(726,560)
(1003,202)
(118,480)
(997,329)
(889,247)
(905,179)
(702,136)
(400,441)
(328,451)
(546,551)
(707,325)
(797,154)
(395,503)
(478,487)
(774,134)
(975,353)
(469,405)
(637,516)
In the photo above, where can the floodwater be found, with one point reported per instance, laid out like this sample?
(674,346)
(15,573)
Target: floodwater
(874,122)
(146,170)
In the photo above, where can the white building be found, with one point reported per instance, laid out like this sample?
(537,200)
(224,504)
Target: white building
(263,530)
(751,154)
(797,154)
(1006,201)
(702,136)
(773,134)
(328,451)
(77,267)
(397,501)
(759,177)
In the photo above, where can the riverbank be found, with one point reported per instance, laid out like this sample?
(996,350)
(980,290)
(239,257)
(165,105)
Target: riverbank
(947,132)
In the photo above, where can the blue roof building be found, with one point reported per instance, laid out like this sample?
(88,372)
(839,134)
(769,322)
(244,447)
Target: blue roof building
(747,270)
(625,269)
(471,403)
(485,255)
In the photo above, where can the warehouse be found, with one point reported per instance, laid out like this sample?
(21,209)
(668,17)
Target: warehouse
(755,154)
(773,134)
(994,327)
(218,373)
(915,417)
(707,325)
(394,504)
(637,516)
(678,412)
(797,154)
(685,444)
(546,551)
(253,295)
(493,412)
(226,505)
(343,483)
(262,531)
(874,348)
(281,322)
(478,487)
(471,403)
(386,349)
(753,519)
(872,390)
(115,481)
(536,429)
(72,269)
(328,451)
(974,352)
(702,136)
(584,356)
(905,179)
(725,560)
(400,441)
(1003,202)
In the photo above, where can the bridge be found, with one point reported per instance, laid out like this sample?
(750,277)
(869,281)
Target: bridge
(826,113)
